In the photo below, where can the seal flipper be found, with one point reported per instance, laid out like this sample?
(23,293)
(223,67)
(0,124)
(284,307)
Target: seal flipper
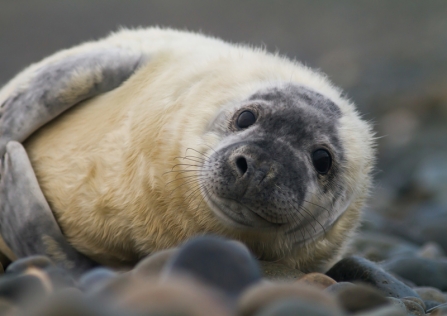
(27,224)
(47,89)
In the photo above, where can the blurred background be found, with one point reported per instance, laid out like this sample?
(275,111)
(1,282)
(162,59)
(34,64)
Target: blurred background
(390,57)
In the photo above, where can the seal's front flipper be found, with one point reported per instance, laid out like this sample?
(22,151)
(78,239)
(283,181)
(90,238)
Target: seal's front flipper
(44,90)
(27,224)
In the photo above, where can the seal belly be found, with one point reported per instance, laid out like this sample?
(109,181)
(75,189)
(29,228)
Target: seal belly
(78,160)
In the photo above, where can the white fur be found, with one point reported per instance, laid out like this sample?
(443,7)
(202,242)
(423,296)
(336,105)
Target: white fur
(102,165)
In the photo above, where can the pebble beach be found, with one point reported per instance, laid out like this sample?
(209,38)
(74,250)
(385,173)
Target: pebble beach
(389,58)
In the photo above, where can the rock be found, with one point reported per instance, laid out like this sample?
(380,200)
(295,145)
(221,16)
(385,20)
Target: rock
(180,296)
(438,310)
(414,306)
(260,296)
(377,246)
(431,250)
(431,294)
(20,289)
(7,308)
(385,311)
(434,230)
(361,270)
(153,264)
(51,276)
(59,278)
(336,288)
(111,288)
(431,304)
(22,264)
(216,262)
(316,279)
(95,277)
(293,307)
(274,271)
(417,300)
(360,297)
(420,271)
(73,305)
(398,304)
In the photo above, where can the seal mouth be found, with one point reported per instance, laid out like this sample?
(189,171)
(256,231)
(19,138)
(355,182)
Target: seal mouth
(236,214)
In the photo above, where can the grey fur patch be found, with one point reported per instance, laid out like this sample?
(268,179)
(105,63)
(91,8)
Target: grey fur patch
(27,224)
(58,86)
(279,178)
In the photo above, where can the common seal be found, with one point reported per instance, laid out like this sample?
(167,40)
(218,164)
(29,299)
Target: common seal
(176,134)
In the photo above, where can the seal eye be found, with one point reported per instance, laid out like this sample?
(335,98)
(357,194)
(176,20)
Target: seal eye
(245,119)
(322,160)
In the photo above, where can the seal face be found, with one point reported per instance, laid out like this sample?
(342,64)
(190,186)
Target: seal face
(263,174)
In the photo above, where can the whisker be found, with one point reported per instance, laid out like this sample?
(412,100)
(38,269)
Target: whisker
(190,159)
(187,177)
(184,164)
(185,183)
(295,208)
(186,151)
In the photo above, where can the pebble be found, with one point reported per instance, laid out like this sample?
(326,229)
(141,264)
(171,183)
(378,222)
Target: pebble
(258,297)
(72,305)
(180,296)
(438,310)
(431,294)
(21,289)
(360,297)
(398,304)
(334,289)
(213,276)
(434,230)
(420,271)
(95,277)
(362,270)
(293,307)
(417,300)
(414,306)
(385,311)
(431,250)
(7,308)
(153,264)
(316,279)
(111,288)
(377,246)
(23,264)
(216,262)
(274,271)
(431,304)
(59,278)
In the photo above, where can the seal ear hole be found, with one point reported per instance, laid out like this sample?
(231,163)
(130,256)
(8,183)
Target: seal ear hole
(322,161)
(245,119)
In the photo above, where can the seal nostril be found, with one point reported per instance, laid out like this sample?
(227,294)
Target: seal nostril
(241,164)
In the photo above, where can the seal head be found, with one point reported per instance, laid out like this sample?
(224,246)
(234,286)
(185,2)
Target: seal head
(278,165)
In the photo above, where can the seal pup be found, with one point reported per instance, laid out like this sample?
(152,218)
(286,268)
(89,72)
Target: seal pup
(176,134)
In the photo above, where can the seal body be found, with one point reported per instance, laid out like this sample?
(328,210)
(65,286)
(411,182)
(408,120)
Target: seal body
(207,137)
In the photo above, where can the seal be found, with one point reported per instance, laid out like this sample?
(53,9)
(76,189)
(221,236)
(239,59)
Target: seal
(176,134)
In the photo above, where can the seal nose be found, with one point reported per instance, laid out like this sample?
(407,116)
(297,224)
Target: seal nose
(241,165)
(251,168)
(248,167)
